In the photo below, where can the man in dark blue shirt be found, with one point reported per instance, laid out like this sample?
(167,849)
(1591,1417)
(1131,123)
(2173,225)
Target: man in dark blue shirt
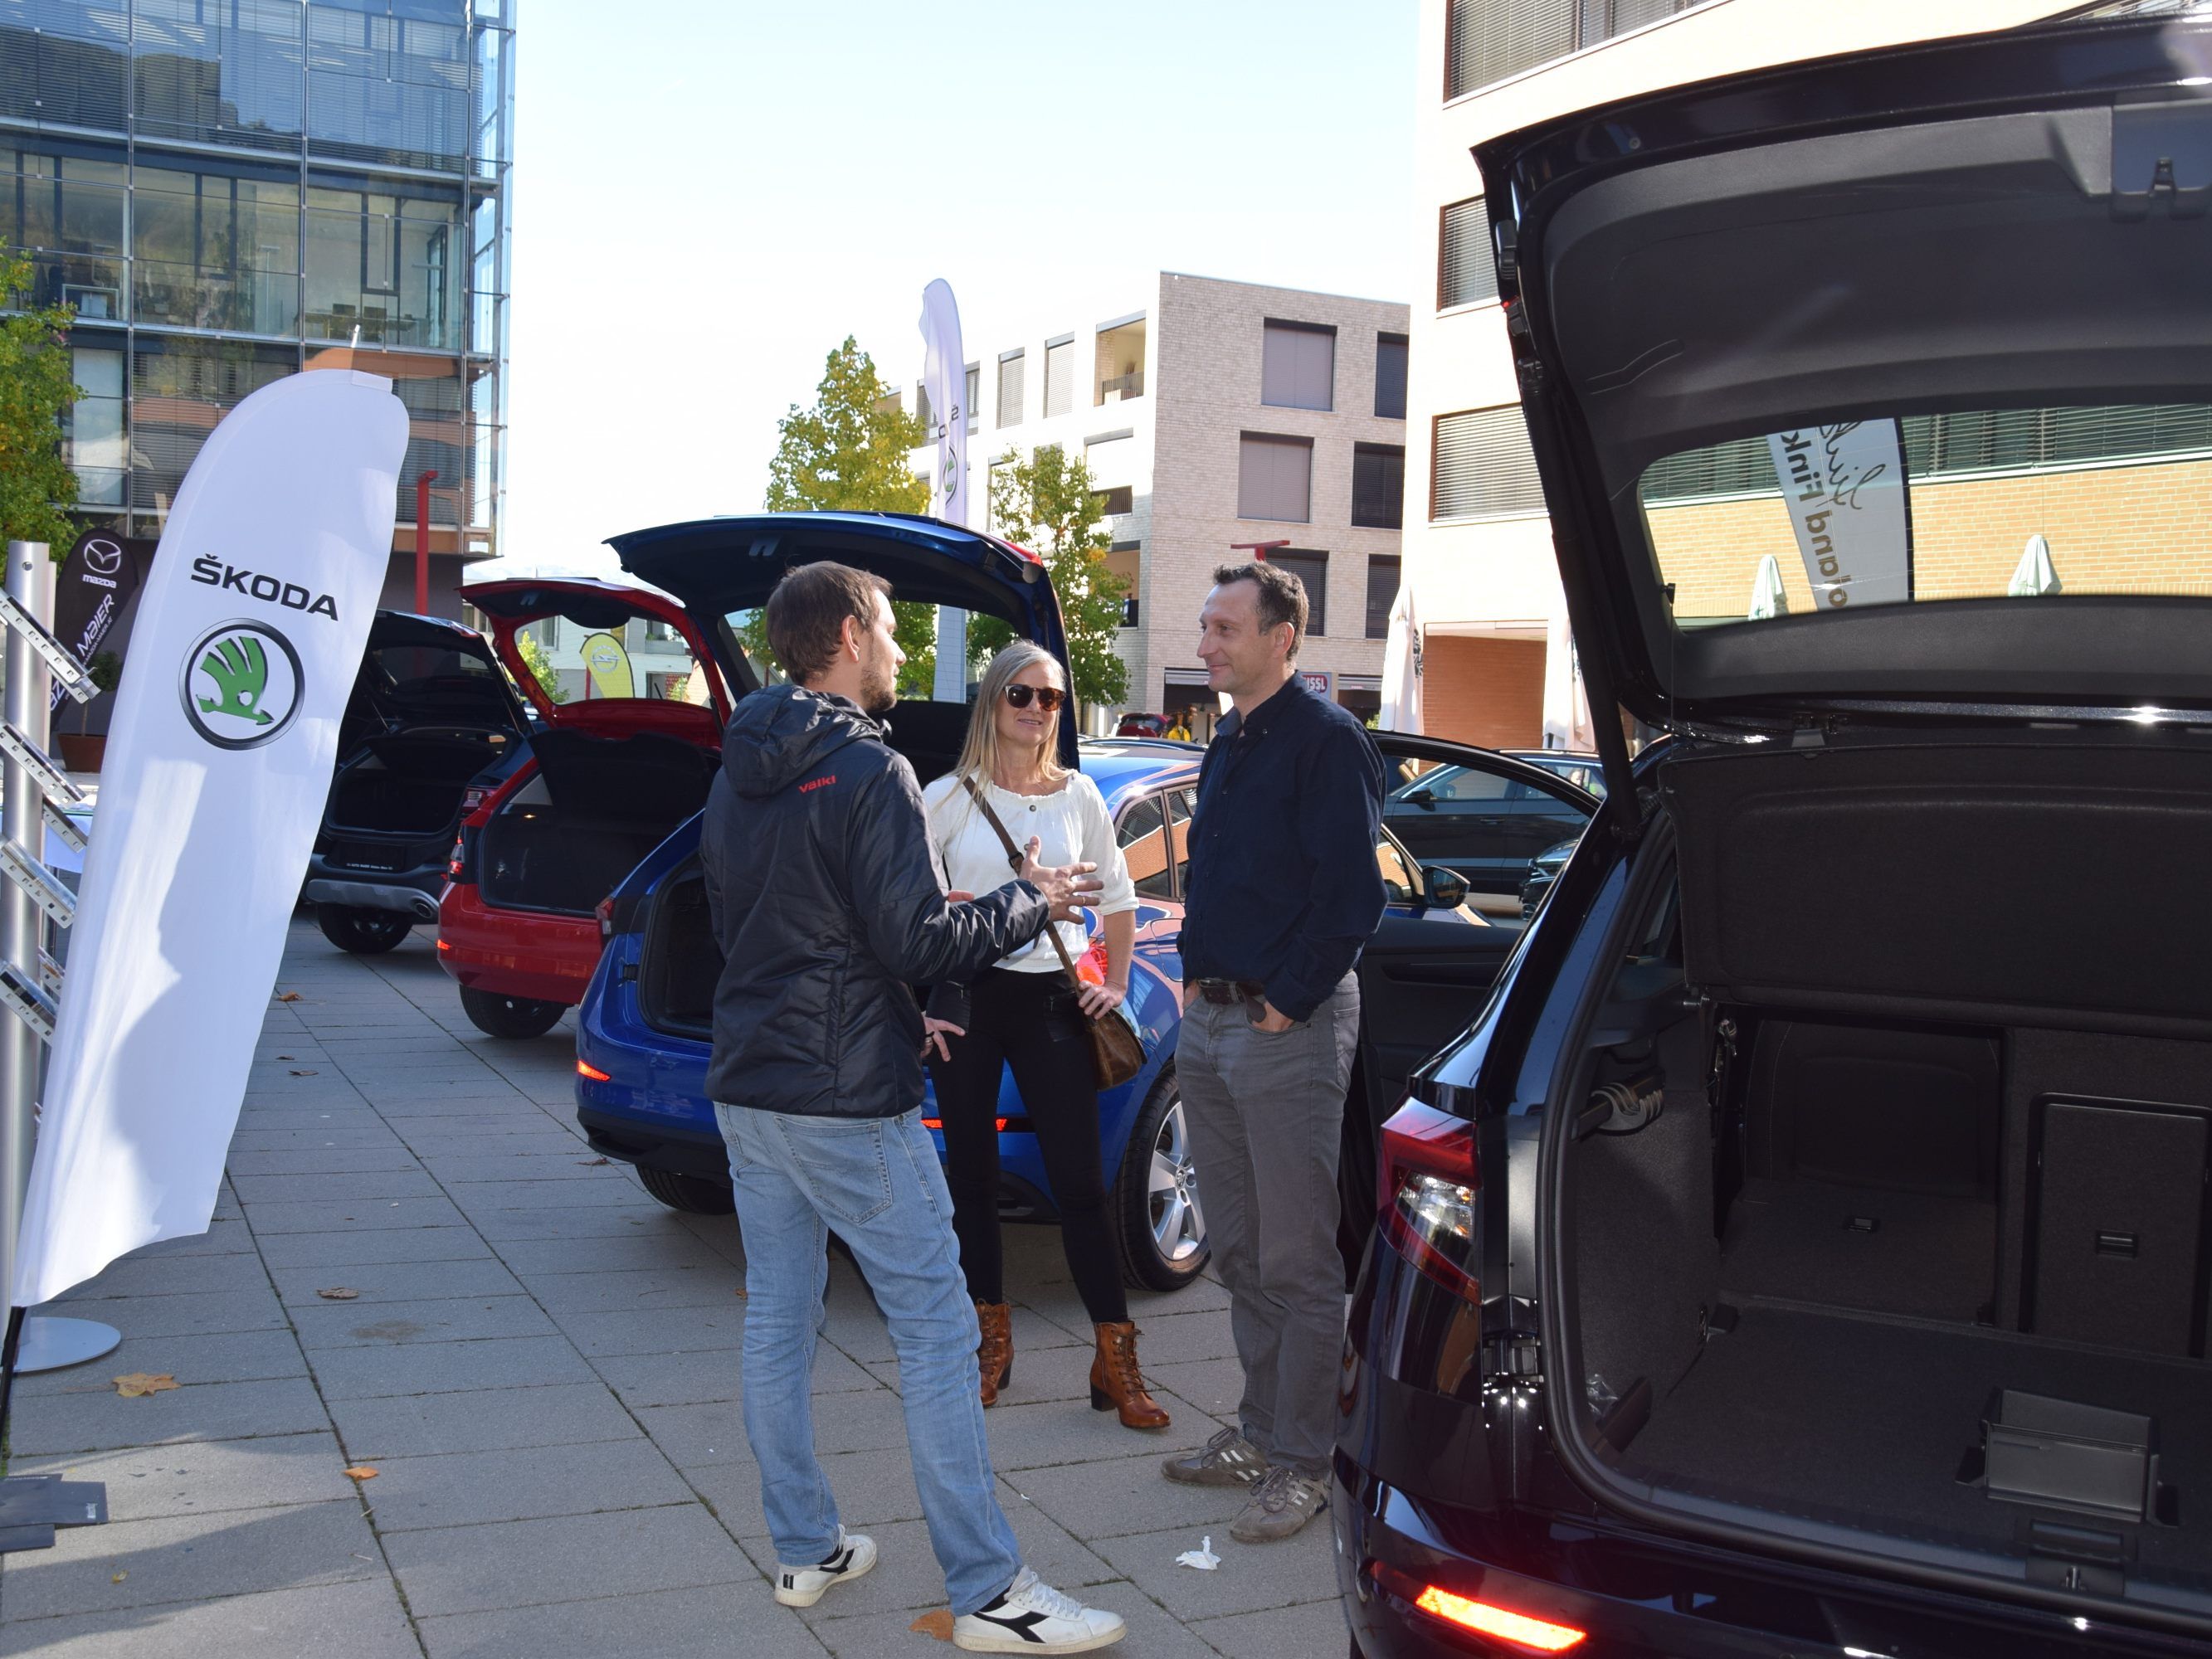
(1283,891)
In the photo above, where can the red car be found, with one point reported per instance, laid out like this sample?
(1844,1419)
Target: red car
(605,783)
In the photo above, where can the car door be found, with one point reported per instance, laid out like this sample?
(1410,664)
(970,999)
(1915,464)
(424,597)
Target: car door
(1429,964)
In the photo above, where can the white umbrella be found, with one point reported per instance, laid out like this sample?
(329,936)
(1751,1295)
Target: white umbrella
(2034,574)
(1566,701)
(1401,667)
(1768,597)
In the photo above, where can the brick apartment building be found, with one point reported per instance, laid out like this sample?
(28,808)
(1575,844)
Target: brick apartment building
(1212,413)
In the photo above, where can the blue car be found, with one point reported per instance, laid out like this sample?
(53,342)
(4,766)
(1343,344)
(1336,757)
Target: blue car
(642,1030)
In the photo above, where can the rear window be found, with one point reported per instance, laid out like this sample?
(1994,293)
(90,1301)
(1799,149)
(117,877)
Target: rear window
(1982,504)
(408,668)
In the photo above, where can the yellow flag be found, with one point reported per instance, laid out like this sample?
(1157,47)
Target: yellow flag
(607,663)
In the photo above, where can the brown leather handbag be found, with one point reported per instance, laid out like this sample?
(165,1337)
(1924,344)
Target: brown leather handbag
(1117,1054)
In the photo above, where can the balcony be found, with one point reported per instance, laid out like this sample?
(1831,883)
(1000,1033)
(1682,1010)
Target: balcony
(1131,384)
(1118,368)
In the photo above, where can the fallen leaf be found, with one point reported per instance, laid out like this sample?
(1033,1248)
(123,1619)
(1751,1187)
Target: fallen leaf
(937,1622)
(119,1578)
(288,1056)
(361,1472)
(136,1385)
(588,1161)
(297,1073)
(287,996)
(741,1289)
(337,1293)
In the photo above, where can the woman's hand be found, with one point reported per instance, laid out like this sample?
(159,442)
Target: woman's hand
(934,1033)
(1098,1002)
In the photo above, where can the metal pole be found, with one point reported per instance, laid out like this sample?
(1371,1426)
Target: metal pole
(31,585)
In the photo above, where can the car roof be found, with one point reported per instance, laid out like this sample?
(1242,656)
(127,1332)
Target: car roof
(1128,766)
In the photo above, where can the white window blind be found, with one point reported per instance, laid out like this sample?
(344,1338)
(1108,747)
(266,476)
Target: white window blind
(1298,367)
(1274,478)
(1487,41)
(1011,368)
(1466,273)
(1482,467)
(1059,377)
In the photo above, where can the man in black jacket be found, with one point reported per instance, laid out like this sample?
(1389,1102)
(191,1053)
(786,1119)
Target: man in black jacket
(828,902)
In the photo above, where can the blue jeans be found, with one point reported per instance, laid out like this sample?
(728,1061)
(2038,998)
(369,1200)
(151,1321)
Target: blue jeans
(876,1181)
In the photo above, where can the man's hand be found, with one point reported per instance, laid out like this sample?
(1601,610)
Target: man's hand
(1066,888)
(934,1033)
(1272,1019)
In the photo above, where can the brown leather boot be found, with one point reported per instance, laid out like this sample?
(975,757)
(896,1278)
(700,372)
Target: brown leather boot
(994,1354)
(1117,1384)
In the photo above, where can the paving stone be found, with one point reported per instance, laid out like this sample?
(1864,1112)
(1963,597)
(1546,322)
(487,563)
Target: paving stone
(1127,1495)
(1312,1629)
(454,1130)
(657,1330)
(872,1488)
(575,1161)
(361,1620)
(516,1563)
(397,1281)
(224,1357)
(1214,1386)
(360,1248)
(639,1290)
(103,1419)
(1251,1578)
(132,1564)
(695,1435)
(663,1246)
(439,1320)
(527,1483)
(1045,1432)
(146,1482)
(224,1237)
(409,1181)
(182,1314)
(355,1215)
(388,1157)
(720,1621)
(481,1420)
(138,1275)
(1172,1339)
(610,1186)
(445,1367)
(500,1227)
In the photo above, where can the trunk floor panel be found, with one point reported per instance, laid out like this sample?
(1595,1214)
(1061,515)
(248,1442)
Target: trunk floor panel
(1862,1421)
(1928,1256)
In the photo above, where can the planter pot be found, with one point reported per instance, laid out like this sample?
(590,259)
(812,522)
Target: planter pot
(83,752)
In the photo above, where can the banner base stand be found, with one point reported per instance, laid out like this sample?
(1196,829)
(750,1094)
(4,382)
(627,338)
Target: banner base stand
(51,1345)
(33,1506)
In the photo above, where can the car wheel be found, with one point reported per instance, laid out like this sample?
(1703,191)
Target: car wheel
(693,1194)
(1155,1203)
(510,1016)
(364,932)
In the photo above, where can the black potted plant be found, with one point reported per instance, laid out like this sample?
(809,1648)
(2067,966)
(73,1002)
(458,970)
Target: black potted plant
(84,750)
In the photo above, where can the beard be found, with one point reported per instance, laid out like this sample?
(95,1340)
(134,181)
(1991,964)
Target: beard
(878,687)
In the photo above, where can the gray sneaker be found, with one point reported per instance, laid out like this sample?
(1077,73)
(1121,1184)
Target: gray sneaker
(1282,1502)
(1227,1460)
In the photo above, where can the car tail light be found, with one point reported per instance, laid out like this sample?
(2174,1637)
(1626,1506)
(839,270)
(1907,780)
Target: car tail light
(445,944)
(1430,1192)
(604,910)
(1523,1632)
(586,1070)
(454,864)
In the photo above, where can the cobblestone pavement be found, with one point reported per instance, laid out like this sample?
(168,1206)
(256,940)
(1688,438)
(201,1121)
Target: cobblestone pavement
(542,1365)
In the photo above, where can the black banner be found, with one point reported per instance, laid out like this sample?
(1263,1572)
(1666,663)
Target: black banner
(95,583)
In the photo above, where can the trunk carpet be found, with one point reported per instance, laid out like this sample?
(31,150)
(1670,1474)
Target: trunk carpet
(1855,1419)
(1926,1257)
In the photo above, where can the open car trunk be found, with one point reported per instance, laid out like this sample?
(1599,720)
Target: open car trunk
(409,783)
(1913,1256)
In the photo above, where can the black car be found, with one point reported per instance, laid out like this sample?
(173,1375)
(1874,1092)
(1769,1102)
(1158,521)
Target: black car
(1804,1251)
(432,725)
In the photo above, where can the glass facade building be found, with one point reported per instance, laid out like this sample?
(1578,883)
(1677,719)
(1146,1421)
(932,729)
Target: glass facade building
(232,190)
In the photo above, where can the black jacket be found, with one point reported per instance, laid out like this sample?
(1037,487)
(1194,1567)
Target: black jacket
(829,902)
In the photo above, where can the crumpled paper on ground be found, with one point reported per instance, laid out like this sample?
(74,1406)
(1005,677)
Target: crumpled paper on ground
(1203,1558)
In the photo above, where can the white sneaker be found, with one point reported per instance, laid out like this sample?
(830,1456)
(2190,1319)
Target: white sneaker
(802,1587)
(1031,1616)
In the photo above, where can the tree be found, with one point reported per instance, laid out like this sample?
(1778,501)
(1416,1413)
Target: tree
(1047,504)
(541,667)
(849,453)
(37,383)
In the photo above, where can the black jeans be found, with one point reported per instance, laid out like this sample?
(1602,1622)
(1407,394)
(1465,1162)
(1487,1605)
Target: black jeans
(1031,1023)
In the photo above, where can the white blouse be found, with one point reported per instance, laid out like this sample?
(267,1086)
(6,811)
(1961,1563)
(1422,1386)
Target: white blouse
(1072,825)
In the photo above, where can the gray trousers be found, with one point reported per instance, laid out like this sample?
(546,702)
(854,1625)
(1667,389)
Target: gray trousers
(1266,1114)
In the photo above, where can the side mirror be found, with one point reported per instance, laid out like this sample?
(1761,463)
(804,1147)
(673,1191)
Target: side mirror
(1447,889)
(1423,798)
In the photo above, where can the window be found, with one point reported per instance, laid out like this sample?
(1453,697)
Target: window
(1182,807)
(1384,576)
(1482,467)
(1120,361)
(1143,847)
(1467,275)
(1009,388)
(93,426)
(1311,569)
(1390,376)
(1298,368)
(1378,486)
(1490,40)
(1274,477)
(1059,376)
(973,390)
(1120,499)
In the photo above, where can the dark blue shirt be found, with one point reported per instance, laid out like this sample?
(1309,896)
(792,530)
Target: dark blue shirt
(1282,886)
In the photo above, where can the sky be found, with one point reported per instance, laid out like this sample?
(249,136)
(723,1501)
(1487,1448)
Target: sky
(709,195)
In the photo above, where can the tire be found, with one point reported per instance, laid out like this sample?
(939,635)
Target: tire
(1154,1206)
(509,1017)
(364,932)
(693,1194)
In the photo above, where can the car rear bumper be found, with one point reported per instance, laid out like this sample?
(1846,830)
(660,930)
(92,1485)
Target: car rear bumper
(515,953)
(403,894)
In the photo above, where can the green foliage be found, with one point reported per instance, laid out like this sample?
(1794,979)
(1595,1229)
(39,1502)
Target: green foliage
(104,671)
(1047,504)
(541,667)
(849,453)
(37,383)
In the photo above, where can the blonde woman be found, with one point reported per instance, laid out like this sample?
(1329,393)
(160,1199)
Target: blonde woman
(1022,1012)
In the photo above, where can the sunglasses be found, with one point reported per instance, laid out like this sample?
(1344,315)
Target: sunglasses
(1049,697)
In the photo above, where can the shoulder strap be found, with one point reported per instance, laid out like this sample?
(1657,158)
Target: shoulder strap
(1014,857)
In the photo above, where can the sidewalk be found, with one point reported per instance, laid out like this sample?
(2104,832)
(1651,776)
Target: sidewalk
(541,1363)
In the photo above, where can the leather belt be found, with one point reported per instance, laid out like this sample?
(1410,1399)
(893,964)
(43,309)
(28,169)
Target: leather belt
(1231,990)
